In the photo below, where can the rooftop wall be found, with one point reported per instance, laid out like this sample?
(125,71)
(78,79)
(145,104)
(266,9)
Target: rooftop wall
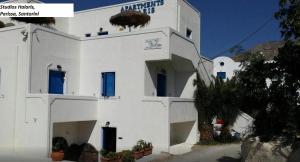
(163,14)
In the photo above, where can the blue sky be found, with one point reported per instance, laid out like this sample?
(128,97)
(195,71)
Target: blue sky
(224,22)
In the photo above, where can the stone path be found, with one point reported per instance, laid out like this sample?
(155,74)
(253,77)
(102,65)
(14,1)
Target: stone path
(219,153)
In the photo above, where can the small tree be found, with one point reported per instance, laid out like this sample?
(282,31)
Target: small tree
(276,106)
(206,112)
(219,99)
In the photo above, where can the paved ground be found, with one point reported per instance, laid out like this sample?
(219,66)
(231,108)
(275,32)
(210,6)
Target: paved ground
(219,153)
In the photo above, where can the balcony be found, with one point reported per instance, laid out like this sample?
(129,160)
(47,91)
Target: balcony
(181,118)
(46,116)
(172,46)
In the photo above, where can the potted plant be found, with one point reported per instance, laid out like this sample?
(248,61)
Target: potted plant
(127,156)
(57,152)
(138,151)
(147,147)
(107,156)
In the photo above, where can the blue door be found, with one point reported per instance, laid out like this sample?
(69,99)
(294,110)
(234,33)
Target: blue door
(56,82)
(161,85)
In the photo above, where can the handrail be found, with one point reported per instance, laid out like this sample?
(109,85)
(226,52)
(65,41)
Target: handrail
(196,49)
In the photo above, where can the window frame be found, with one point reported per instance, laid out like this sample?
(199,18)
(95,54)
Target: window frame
(189,33)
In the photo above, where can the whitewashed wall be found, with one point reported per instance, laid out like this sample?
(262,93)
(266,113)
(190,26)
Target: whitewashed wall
(165,16)
(54,48)
(189,18)
(13,81)
(229,67)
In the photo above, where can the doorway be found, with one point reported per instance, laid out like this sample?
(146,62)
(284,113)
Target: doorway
(109,136)
(161,84)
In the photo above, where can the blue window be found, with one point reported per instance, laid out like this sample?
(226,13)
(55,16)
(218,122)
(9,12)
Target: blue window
(56,82)
(221,75)
(108,84)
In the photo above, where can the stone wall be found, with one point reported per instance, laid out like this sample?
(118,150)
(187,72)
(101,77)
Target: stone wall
(253,151)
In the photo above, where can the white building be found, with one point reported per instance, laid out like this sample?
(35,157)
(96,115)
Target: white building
(61,83)
(225,68)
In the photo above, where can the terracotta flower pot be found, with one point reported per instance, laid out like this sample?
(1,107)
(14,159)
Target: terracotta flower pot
(103,159)
(138,154)
(57,156)
(148,151)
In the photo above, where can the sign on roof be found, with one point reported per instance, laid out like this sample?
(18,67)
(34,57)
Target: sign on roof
(147,7)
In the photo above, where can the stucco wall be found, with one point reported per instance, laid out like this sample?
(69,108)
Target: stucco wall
(49,49)
(165,15)
(229,67)
(13,82)
(189,18)
(74,132)
(124,55)
(136,122)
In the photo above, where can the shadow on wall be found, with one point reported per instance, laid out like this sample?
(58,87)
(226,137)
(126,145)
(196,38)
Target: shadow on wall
(180,132)
(74,132)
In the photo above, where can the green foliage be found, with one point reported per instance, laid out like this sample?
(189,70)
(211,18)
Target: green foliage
(127,156)
(56,147)
(108,154)
(103,152)
(252,84)
(59,144)
(218,99)
(137,148)
(275,107)
(226,95)
(289,16)
(203,100)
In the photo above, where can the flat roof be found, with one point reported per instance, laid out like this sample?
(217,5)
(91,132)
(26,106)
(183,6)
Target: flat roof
(129,3)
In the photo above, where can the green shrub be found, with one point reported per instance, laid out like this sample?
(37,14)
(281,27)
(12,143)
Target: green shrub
(108,154)
(137,148)
(127,156)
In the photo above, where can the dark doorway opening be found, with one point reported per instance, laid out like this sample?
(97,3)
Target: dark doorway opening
(161,85)
(109,139)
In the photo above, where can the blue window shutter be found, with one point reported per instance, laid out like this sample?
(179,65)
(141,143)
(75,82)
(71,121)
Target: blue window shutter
(110,88)
(108,84)
(56,82)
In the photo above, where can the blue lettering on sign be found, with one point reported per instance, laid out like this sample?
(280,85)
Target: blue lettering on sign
(145,7)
